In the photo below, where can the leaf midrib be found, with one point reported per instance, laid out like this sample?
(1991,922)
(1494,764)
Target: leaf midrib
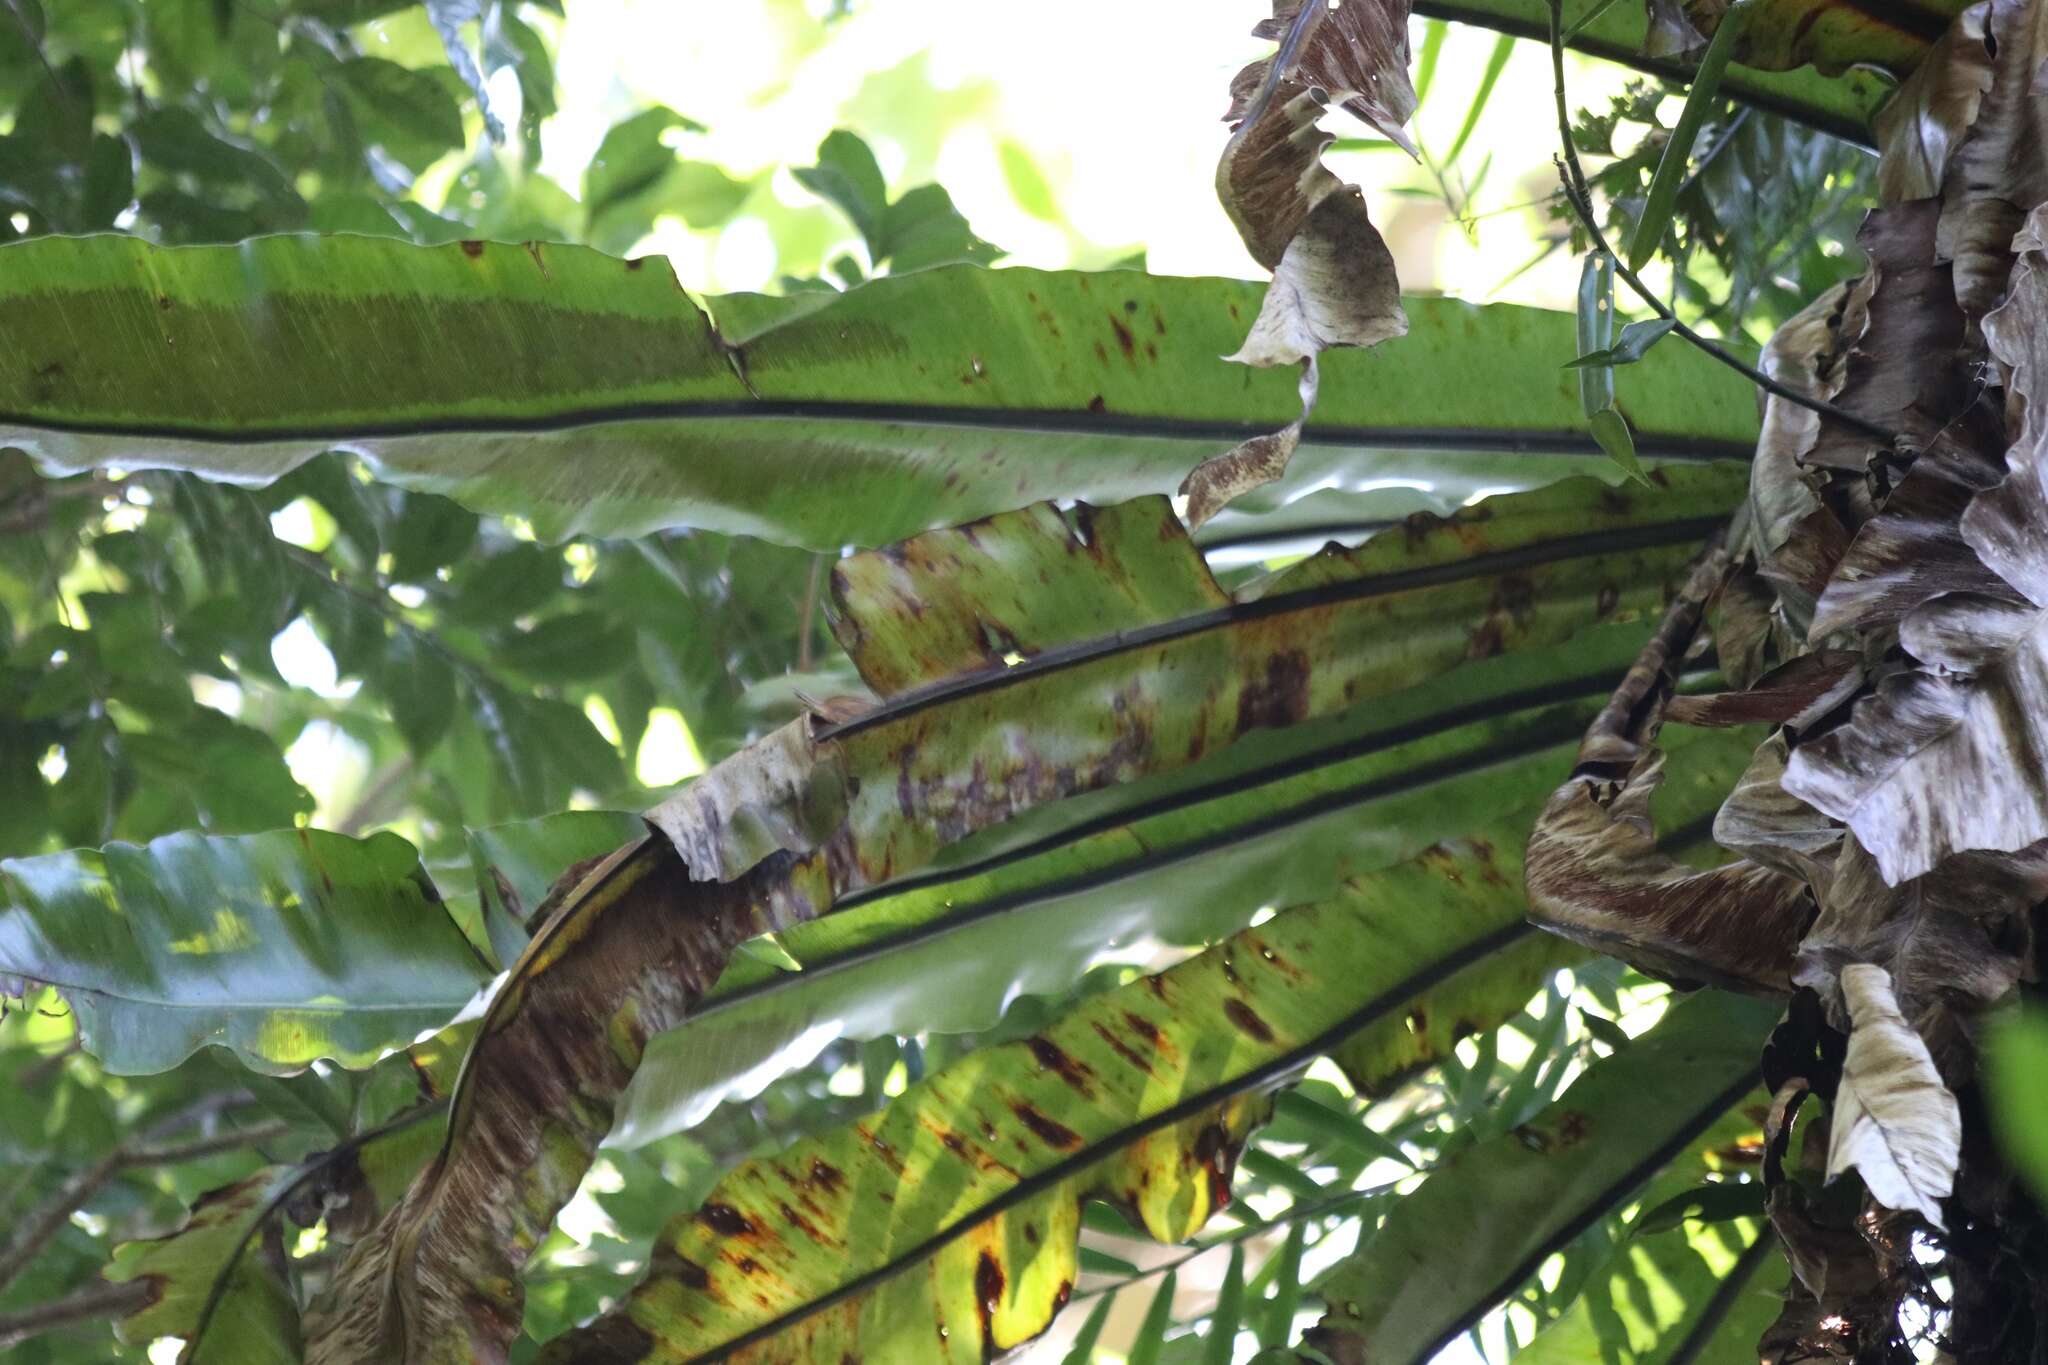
(1266,1073)
(1053,421)
(1619,540)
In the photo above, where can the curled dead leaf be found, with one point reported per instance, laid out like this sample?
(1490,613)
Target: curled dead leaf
(1333,281)
(1895,1123)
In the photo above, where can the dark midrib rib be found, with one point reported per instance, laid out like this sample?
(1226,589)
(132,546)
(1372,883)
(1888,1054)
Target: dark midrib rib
(1725,1294)
(1428,727)
(1380,788)
(1052,422)
(1260,1076)
(1597,1208)
(1234,613)
(1327,803)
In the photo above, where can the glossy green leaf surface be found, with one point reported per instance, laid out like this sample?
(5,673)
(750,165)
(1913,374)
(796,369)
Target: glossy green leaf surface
(256,1320)
(942,760)
(1664,1292)
(1279,819)
(505,376)
(285,947)
(776,835)
(955,1205)
(1518,1197)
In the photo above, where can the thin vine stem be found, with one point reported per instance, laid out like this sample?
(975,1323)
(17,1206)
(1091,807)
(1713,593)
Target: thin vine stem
(1579,194)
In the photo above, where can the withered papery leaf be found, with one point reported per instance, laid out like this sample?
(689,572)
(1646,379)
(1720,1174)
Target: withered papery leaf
(1333,277)
(1806,354)
(1894,1121)
(1596,875)
(1763,821)
(1921,125)
(1998,174)
(1953,941)
(1913,550)
(1904,371)
(1941,759)
(437,1281)
(1796,694)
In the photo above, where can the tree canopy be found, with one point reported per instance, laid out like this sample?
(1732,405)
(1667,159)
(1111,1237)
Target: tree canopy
(942,805)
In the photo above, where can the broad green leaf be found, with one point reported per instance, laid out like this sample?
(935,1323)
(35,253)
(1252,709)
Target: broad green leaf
(780,832)
(574,646)
(2016,1059)
(286,947)
(1711,1203)
(1655,218)
(636,176)
(1186,868)
(1833,36)
(1665,1298)
(410,114)
(1520,1196)
(1211,860)
(848,178)
(1027,183)
(983,1163)
(508,377)
(1668,1287)
(256,1321)
(1606,1030)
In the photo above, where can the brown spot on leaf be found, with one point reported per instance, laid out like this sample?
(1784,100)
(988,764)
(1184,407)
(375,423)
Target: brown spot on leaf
(1126,343)
(1247,1020)
(1121,1048)
(725,1220)
(472,248)
(1278,699)
(1144,1028)
(988,1292)
(1052,1057)
(1213,1152)
(1049,1131)
(803,1225)
(1096,404)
